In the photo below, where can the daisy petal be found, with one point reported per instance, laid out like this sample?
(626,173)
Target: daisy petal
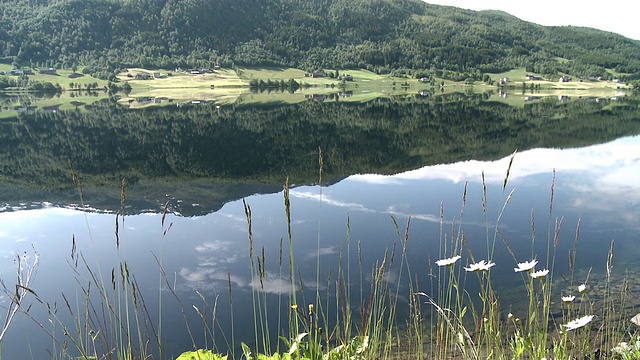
(578,323)
(539,273)
(448,262)
(526,266)
(480,266)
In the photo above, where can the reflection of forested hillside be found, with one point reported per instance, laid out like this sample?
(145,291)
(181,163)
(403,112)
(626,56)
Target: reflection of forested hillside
(265,145)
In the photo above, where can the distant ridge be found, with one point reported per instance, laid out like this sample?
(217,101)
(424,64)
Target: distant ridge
(402,37)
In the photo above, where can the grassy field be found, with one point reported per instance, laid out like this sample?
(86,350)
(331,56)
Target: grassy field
(230,87)
(360,77)
(71,98)
(273,73)
(64,77)
(520,99)
(182,79)
(68,100)
(518,76)
(225,86)
(317,94)
(617,74)
(172,95)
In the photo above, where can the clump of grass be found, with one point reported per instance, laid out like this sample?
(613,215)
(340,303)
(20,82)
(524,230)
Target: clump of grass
(111,319)
(26,266)
(467,331)
(318,328)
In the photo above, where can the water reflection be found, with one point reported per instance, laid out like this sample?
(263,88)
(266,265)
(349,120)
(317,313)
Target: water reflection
(598,178)
(159,149)
(595,184)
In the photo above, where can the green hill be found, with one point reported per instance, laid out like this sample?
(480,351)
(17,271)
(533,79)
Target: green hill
(398,36)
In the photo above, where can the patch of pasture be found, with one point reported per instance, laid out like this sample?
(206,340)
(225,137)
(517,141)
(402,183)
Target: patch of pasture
(181,79)
(513,75)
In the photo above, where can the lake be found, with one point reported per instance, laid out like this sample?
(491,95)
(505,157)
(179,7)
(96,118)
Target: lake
(189,171)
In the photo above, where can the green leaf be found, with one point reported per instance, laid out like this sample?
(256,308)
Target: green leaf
(275,356)
(285,341)
(246,350)
(201,354)
(268,357)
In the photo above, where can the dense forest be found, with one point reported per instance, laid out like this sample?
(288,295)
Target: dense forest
(264,145)
(387,36)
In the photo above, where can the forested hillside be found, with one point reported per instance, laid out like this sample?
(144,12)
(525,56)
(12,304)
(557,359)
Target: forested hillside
(400,36)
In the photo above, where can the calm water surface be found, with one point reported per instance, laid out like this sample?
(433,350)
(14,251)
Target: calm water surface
(204,244)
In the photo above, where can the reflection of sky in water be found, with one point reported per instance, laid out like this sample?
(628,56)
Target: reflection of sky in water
(598,185)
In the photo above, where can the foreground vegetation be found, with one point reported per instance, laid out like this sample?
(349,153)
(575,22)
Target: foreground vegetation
(446,320)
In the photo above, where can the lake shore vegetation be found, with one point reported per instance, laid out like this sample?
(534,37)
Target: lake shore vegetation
(562,318)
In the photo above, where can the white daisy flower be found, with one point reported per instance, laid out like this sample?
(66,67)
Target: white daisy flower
(582,288)
(480,266)
(568,299)
(578,323)
(622,348)
(448,262)
(539,273)
(526,266)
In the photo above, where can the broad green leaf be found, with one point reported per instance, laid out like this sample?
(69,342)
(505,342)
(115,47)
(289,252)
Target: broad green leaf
(275,356)
(201,354)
